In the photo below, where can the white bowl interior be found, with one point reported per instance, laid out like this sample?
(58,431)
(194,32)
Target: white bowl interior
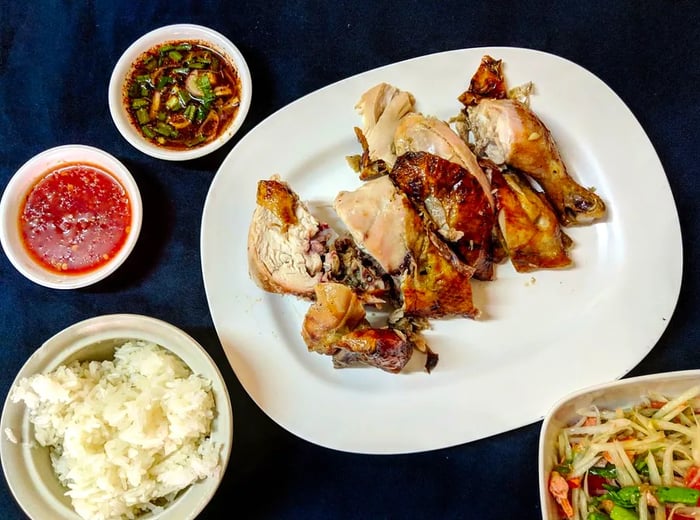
(27,466)
(622,393)
(215,40)
(19,186)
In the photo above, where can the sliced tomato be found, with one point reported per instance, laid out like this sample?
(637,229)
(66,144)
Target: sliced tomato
(692,477)
(595,485)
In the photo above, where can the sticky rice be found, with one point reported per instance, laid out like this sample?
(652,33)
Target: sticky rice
(125,436)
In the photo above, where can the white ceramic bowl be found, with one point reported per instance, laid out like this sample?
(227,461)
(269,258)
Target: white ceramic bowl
(26,465)
(212,39)
(622,393)
(13,200)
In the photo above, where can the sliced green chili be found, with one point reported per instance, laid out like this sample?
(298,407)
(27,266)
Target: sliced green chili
(142,116)
(139,103)
(184,96)
(175,55)
(190,112)
(173,103)
(165,129)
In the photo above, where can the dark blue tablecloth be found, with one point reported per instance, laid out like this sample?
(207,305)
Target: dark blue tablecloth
(55,63)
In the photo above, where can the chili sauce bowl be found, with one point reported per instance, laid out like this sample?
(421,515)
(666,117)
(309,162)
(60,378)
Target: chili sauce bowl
(86,227)
(27,465)
(621,393)
(170,127)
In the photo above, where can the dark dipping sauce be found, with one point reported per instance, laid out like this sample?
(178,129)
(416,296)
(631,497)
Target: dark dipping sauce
(182,94)
(75,219)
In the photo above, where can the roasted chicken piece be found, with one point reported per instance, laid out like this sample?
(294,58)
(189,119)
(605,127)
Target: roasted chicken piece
(455,203)
(487,82)
(381,108)
(508,132)
(418,133)
(286,243)
(431,280)
(529,226)
(348,264)
(336,325)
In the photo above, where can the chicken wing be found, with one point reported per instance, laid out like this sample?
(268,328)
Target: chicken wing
(336,325)
(508,132)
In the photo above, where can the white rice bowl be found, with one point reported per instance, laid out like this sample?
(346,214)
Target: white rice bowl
(114,422)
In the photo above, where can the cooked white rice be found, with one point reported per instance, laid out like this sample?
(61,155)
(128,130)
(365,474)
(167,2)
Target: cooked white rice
(124,435)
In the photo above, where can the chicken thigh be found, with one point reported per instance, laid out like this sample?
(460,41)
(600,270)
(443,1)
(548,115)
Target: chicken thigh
(528,224)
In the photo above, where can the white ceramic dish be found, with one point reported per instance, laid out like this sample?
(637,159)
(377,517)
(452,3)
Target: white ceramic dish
(623,393)
(212,39)
(15,194)
(495,374)
(27,467)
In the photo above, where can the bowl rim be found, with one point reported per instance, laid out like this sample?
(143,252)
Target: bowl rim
(27,176)
(624,389)
(65,346)
(182,31)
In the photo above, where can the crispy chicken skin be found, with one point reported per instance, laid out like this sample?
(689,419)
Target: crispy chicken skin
(454,202)
(336,325)
(488,82)
(508,132)
(529,226)
(432,281)
(418,133)
(285,242)
(336,311)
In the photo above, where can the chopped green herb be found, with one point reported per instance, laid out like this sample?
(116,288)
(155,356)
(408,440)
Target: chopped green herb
(165,80)
(607,471)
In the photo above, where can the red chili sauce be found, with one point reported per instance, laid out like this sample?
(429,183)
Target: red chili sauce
(75,219)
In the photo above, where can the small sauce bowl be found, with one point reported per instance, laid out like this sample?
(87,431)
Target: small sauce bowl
(120,102)
(36,174)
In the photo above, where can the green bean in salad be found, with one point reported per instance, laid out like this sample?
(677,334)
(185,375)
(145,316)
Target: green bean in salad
(639,462)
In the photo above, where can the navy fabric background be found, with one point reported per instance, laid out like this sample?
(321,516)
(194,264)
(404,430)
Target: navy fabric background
(55,63)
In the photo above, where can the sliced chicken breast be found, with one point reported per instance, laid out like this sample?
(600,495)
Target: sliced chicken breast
(432,281)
